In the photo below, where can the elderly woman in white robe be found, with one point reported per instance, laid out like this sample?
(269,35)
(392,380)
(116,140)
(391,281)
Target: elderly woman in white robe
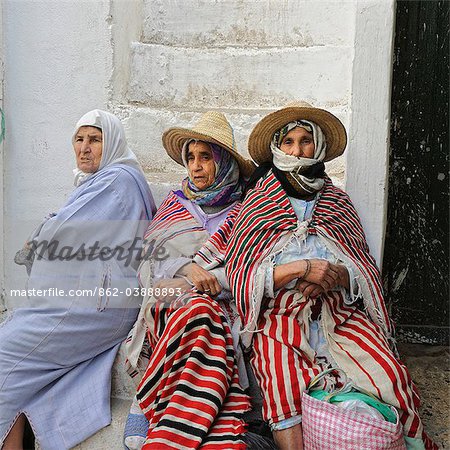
(56,355)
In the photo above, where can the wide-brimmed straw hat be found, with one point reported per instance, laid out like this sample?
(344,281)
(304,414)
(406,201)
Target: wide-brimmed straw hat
(262,134)
(212,127)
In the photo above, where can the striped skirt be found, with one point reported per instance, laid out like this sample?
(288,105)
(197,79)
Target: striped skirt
(190,392)
(284,363)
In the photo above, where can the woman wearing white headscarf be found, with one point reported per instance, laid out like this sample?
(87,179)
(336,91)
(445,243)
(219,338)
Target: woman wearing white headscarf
(56,355)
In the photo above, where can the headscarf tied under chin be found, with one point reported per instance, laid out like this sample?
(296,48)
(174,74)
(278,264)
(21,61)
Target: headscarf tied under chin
(306,175)
(115,148)
(227,187)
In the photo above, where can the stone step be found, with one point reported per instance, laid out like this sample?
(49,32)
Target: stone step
(144,127)
(212,23)
(238,78)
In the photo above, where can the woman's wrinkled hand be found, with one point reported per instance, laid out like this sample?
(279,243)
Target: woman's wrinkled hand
(322,273)
(308,289)
(203,280)
(176,286)
(319,272)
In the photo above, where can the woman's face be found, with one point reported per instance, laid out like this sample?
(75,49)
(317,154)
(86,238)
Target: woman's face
(201,166)
(298,142)
(88,146)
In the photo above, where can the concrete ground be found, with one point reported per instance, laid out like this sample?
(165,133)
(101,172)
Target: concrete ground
(430,370)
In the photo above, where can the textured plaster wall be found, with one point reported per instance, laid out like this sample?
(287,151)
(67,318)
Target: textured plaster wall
(2,258)
(159,64)
(244,58)
(58,65)
(367,156)
(126,27)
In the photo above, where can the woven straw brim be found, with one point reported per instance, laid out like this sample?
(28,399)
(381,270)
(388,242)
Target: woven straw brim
(261,136)
(174,138)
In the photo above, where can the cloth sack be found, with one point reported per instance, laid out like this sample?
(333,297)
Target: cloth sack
(327,426)
(366,404)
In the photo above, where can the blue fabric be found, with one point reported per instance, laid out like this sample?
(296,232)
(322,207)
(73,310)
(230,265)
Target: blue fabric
(286,423)
(56,356)
(311,248)
(137,425)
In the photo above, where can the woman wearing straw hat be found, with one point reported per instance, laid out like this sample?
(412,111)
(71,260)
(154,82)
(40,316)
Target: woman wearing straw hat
(307,290)
(191,391)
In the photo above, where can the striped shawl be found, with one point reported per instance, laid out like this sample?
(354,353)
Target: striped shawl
(267,221)
(172,233)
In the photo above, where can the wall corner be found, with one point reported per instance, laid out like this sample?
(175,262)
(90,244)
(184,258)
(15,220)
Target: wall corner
(367,161)
(2,136)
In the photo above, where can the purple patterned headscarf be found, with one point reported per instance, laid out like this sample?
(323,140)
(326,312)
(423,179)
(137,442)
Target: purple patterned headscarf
(227,187)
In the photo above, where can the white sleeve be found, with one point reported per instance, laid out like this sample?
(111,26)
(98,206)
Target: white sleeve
(353,293)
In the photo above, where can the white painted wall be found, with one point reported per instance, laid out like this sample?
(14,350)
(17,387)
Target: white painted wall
(247,23)
(367,155)
(162,63)
(244,58)
(126,26)
(2,256)
(58,65)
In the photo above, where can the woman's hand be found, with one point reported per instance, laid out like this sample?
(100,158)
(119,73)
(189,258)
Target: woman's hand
(309,289)
(178,286)
(319,272)
(203,280)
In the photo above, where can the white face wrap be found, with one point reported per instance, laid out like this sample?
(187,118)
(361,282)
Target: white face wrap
(292,164)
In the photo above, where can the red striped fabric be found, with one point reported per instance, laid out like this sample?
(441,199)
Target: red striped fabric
(359,341)
(190,391)
(284,363)
(267,215)
(170,212)
(212,253)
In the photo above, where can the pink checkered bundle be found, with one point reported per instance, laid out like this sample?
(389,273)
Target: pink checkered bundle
(329,427)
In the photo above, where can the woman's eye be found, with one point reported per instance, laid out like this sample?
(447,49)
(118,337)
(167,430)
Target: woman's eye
(287,141)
